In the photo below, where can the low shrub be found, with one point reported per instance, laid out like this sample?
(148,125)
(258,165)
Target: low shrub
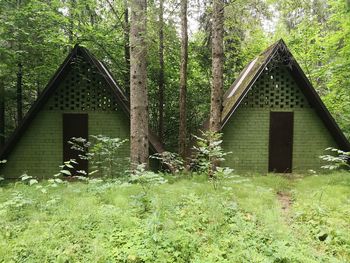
(186,221)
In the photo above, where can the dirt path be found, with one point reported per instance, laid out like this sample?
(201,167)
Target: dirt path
(286,202)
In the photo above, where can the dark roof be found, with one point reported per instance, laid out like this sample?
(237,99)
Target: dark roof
(246,79)
(239,89)
(54,82)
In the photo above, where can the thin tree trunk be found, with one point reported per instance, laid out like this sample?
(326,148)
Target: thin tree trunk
(138,84)
(161,72)
(125,24)
(2,115)
(126,47)
(19,95)
(217,65)
(183,79)
(19,99)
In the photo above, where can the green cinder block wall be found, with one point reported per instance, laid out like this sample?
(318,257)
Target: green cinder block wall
(39,152)
(246,134)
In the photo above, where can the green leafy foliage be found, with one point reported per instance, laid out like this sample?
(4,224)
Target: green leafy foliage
(14,206)
(208,153)
(324,220)
(147,180)
(51,183)
(339,159)
(25,178)
(41,43)
(316,32)
(171,162)
(103,155)
(1,163)
(187,221)
(220,173)
(65,168)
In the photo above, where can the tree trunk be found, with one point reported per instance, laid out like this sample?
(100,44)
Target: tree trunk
(19,99)
(183,79)
(2,115)
(138,84)
(126,48)
(217,65)
(161,72)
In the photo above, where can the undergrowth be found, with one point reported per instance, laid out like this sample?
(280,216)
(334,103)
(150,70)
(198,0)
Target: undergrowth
(186,220)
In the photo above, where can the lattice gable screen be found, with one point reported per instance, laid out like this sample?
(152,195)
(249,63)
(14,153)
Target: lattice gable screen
(83,89)
(275,88)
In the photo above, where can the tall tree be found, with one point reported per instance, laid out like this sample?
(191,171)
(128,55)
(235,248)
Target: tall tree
(138,84)
(126,47)
(161,71)
(19,93)
(217,64)
(183,79)
(2,114)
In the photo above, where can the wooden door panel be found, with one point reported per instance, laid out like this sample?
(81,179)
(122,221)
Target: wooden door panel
(74,125)
(281,142)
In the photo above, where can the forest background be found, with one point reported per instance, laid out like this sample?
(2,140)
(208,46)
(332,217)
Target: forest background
(36,36)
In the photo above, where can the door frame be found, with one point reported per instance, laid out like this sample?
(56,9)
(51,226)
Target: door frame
(290,115)
(84,164)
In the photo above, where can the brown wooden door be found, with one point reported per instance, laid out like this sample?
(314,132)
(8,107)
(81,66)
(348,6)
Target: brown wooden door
(281,142)
(74,125)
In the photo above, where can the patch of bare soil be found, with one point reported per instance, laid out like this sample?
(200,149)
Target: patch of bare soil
(285,199)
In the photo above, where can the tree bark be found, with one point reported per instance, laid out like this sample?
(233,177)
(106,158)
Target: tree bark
(183,79)
(19,99)
(2,115)
(217,65)
(126,47)
(161,72)
(138,84)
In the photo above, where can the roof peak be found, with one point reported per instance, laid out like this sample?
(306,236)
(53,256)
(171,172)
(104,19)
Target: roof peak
(54,82)
(281,41)
(250,74)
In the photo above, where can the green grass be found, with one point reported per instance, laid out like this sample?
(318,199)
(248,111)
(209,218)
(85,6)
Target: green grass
(186,221)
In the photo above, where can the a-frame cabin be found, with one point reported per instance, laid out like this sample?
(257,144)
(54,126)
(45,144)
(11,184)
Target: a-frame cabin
(273,120)
(81,99)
